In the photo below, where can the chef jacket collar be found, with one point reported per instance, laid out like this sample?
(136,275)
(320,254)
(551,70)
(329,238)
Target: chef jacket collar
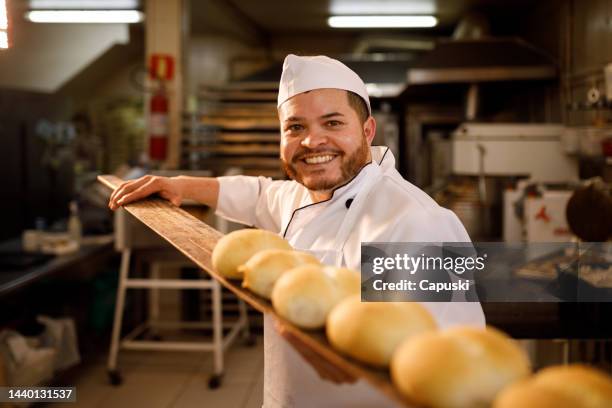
(383,156)
(348,190)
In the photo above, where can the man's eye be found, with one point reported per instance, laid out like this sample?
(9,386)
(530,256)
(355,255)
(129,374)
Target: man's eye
(294,128)
(334,123)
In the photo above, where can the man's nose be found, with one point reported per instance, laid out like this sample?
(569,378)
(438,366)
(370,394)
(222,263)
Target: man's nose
(314,138)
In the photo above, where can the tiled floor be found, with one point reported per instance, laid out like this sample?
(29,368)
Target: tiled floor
(173,379)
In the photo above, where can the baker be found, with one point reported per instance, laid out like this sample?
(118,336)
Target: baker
(342,192)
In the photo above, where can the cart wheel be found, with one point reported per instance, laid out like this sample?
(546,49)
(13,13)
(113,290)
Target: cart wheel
(114,377)
(250,340)
(214,381)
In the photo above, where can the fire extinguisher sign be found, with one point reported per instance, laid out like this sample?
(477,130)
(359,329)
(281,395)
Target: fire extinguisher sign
(161,66)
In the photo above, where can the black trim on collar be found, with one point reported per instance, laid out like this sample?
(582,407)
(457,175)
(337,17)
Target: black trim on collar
(384,155)
(320,202)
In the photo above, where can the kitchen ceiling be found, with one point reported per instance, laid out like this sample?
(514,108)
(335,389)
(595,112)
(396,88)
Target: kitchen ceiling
(285,16)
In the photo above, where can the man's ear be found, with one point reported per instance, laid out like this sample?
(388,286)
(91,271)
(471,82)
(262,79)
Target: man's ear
(369,129)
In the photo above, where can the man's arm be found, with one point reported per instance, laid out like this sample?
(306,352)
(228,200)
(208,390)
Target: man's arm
(237,198)
(204,190)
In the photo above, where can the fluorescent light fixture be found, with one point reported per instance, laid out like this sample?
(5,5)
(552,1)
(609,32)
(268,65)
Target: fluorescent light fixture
(3,40)
(382,21)
(382,7)
(84,4)
(3,15)
(84,16)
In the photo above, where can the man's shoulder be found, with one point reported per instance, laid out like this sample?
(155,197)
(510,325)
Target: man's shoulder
(411,214)
(399,193)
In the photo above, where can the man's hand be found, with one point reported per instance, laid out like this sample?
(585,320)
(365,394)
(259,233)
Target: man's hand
(133,190)
(325,369)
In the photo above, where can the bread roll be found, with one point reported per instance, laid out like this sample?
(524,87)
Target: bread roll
(305,295)
(575,386)
(347,281)
(262,270)
(235,248)
(371,331)
(463,367)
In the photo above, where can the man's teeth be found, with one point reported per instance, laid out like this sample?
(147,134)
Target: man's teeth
(318,159)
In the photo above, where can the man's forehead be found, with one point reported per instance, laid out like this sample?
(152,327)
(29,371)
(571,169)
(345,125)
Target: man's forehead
(317,103)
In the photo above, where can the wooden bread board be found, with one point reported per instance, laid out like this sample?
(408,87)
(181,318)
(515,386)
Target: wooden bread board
(196,240)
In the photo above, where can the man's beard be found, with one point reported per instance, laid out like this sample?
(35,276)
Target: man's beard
(349,167)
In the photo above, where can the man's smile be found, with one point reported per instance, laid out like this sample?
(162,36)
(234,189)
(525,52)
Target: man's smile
(318,158)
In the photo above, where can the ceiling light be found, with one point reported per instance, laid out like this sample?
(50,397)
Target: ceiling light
(3,39)
(84,16)
(383,7)
(84,4)
(3,16)
(382,21)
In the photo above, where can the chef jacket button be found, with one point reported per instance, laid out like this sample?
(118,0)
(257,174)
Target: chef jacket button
(348,203)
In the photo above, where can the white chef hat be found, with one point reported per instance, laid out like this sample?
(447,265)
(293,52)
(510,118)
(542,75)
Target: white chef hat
(302,74)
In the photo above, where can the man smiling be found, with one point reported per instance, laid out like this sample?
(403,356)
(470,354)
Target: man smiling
(312,151)
(343,192)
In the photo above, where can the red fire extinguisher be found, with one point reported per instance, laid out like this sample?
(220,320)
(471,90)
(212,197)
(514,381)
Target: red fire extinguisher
(158,124)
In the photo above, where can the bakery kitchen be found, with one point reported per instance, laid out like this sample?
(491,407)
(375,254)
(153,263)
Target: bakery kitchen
(425,285)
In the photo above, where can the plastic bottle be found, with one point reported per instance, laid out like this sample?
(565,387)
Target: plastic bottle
(74,223)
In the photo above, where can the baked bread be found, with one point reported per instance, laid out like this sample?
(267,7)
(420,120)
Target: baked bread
(371,331)
(262,270)
(305,295)
(571,386)
(235,248)
(347,281)
(462,367)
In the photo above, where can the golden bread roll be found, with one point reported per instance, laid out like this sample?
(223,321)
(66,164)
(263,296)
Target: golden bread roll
(305,295)
(262,270)
(371,331)
(347,281)
(235,248)
(462,367)
(571,386)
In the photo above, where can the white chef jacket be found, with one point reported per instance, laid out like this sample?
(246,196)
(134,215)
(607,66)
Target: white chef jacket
(377,205)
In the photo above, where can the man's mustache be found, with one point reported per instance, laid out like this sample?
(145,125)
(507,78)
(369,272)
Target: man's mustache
(303,152)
